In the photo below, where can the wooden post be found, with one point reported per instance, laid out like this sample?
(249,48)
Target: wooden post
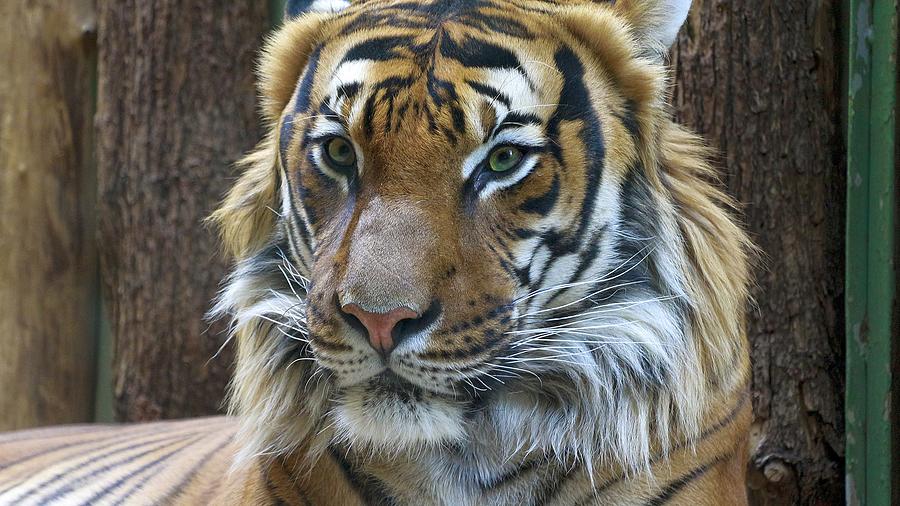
(47,256)
(176,108)
(762,81)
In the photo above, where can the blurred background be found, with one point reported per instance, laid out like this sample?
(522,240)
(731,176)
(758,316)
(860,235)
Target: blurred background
(120,122)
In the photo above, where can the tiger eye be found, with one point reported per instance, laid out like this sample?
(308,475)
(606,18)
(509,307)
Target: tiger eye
(339,152)
(505,158)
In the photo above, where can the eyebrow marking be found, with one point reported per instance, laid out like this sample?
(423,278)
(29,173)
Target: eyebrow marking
(514,120)
(490,92)
(327,112)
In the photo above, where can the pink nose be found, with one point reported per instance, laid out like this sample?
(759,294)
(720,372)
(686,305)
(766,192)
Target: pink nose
(380,325)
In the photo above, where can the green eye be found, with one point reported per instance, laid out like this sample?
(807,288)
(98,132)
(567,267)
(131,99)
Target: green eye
(339,152)
(505,158)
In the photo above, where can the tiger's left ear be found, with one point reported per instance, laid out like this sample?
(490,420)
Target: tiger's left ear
(655,21)
(294,8)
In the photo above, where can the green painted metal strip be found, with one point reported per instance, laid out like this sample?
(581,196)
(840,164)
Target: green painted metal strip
(881,278)
(871,277)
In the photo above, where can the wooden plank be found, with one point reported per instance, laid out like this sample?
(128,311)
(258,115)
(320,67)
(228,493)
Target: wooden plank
(175,110)
(47,258)
(762,81)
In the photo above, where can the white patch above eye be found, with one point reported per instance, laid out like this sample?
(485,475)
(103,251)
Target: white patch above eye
(324,127)
(349,72)
(525,135)
(328,6)
(513,85)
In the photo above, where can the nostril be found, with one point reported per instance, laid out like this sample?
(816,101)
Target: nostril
(412,326)
(379,326)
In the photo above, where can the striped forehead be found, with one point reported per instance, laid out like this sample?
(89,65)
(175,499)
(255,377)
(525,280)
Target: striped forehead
(463,72)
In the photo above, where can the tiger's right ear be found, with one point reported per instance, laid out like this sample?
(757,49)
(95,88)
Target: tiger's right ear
(295,8)
(284,58)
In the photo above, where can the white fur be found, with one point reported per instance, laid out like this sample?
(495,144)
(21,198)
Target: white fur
(331,6)
(385,424)
(669,17)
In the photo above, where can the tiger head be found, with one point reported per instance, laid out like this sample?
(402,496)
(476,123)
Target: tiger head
(473,222)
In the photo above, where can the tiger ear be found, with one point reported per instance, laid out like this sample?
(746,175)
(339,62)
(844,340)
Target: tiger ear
(284,58)
(294,8)
(656,21)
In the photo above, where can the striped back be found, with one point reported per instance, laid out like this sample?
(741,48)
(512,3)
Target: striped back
(179,462)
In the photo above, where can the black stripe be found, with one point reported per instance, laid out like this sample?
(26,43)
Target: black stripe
(373,491)
(112,487)
(721,424)
(80,464)
(305,229)
(513,475)
(516,120)
(301,103)
(369,114)
(378,49)
(490,92)
(586,259)
(476,53)
(67,486)
(673,488)
(495,23)
(575,105)
(543,204)
(117,436)
(304,89)
(178,488)
(274,491)
(552,486)
(629,119)
(348,91)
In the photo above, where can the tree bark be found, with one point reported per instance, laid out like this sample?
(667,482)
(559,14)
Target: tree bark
(175,110)
(47,258)
(761,81)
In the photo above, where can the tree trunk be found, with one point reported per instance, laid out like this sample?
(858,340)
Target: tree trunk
(761,80)
(47,258)
(175,110)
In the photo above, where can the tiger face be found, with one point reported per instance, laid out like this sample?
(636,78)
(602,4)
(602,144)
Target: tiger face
(467,232)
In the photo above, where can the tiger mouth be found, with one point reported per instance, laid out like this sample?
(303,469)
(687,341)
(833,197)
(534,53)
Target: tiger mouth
(389,383)
(388,379)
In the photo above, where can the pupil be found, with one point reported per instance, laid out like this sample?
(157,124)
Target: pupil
(339,150)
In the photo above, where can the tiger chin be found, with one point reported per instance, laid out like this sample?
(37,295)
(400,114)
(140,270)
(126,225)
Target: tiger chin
(476,262)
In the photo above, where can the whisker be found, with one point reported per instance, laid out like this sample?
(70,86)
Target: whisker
(590,281)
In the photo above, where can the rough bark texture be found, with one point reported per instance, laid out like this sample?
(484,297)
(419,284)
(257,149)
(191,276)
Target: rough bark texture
(761,81)
(175,110)
(47,257)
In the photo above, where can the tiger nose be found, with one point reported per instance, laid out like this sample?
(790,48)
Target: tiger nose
(380,326)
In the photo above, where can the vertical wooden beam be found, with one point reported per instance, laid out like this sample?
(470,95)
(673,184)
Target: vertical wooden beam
(47,255)
(176,108)
(761,80)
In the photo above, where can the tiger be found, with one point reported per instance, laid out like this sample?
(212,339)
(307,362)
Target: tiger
(476,262)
